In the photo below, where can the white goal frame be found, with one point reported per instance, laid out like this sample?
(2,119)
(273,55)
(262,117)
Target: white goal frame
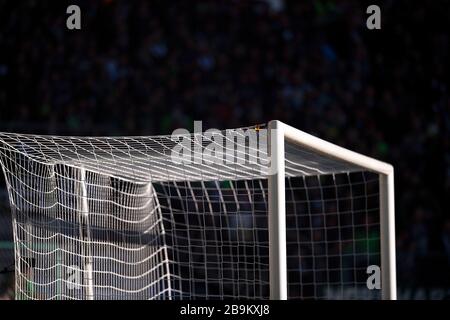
(142,161)
(278,134)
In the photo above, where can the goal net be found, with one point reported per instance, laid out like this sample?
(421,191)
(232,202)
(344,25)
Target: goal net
(249,213)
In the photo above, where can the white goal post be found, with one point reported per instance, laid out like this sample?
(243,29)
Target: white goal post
(277,208)
(265,212)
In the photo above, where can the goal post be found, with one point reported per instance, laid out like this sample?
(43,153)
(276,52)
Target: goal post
(278,134)
(266,212)
(277,214)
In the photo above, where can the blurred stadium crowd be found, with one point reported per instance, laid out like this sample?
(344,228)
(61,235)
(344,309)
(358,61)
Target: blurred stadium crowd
(148,67)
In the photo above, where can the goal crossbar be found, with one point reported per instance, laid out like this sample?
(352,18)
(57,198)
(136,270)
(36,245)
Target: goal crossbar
(281,132)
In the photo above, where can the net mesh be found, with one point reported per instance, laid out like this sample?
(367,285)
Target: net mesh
(119,218)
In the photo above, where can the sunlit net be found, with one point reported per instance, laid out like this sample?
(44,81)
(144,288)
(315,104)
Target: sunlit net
(116,218)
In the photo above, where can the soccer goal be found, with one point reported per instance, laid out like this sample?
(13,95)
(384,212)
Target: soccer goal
(252,213)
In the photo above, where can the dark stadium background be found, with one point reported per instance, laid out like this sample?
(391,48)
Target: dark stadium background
(148,67)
